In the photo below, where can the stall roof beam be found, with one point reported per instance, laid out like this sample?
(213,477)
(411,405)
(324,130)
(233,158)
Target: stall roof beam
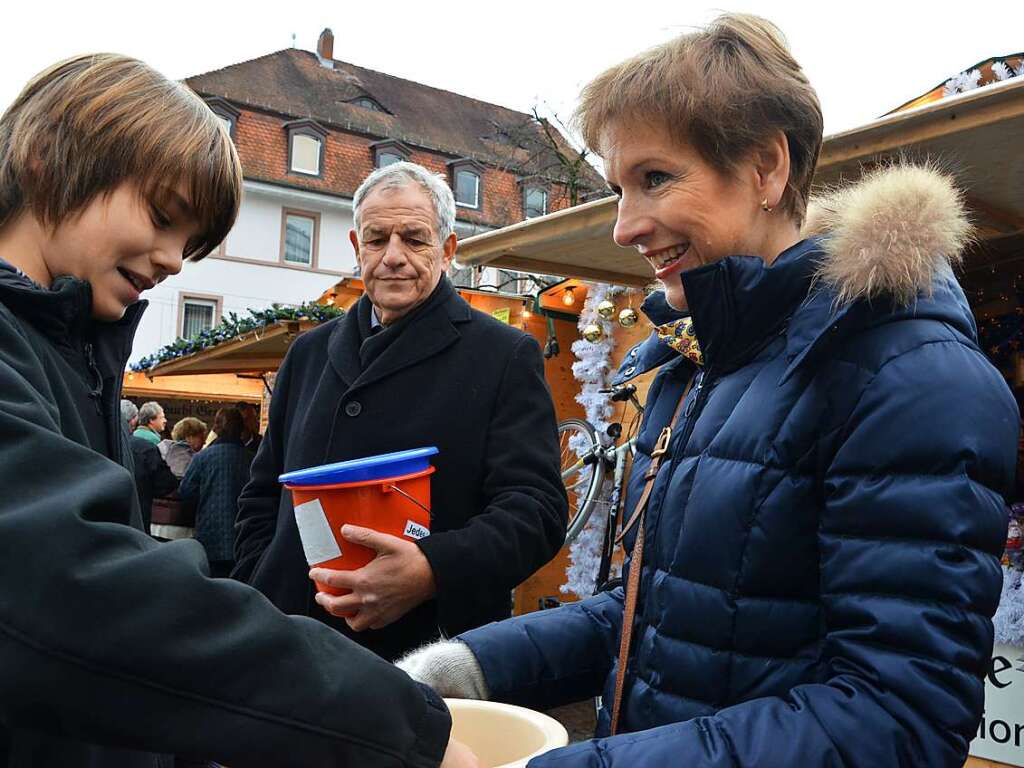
(255,352)
(983,107)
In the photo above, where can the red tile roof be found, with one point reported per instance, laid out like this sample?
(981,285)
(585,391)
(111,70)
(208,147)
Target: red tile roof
(294,84)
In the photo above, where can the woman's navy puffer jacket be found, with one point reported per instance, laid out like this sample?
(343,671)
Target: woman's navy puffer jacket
(822,541)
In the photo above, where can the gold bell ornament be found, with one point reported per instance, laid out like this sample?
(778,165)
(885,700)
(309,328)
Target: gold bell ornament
(606,309)
(593,333)
(628,317)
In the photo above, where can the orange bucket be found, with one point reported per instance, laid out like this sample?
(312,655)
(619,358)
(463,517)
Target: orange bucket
(372,496)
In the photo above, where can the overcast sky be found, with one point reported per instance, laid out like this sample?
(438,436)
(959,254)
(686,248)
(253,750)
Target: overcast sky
(864,58)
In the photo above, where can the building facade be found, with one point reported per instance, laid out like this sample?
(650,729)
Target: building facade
(308,130)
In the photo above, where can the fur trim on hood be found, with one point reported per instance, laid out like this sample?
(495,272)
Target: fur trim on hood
(890,234)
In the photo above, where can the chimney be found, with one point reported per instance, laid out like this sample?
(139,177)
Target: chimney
(325,48)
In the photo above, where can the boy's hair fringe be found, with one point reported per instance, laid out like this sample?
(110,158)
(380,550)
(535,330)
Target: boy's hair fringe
(89,124)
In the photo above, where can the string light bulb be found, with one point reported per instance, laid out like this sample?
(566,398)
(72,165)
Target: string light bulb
(569,298)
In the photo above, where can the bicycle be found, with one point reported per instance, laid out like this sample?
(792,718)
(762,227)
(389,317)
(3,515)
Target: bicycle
(586,461)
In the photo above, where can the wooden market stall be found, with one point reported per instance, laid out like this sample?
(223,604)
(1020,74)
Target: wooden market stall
(198,396)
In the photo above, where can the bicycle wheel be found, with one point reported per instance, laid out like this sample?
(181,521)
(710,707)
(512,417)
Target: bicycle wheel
(578,441)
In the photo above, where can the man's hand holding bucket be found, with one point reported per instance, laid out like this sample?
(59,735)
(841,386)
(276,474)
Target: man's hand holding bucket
(397,580)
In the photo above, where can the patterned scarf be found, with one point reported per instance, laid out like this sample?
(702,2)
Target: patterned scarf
(680,336)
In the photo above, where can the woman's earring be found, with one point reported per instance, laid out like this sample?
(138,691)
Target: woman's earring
(765,207)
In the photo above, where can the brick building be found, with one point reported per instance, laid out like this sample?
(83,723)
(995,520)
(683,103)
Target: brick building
(308,129)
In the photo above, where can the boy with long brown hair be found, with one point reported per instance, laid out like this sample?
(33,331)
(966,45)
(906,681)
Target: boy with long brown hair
(114,647)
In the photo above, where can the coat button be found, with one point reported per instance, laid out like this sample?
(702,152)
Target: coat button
(354,408)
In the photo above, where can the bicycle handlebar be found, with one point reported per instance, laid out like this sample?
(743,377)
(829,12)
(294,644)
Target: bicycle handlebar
(620,393)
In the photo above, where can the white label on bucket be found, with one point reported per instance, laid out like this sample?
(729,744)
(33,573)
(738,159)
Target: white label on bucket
(415,530)
(317,540)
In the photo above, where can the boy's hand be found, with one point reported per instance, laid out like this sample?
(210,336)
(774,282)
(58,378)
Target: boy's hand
(458,755)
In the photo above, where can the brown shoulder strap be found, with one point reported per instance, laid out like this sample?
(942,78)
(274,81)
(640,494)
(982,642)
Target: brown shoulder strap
(636,558)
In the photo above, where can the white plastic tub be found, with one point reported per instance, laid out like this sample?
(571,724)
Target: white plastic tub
(504,736)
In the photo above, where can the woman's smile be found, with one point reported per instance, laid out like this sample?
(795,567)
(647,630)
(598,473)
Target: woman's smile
(668,261)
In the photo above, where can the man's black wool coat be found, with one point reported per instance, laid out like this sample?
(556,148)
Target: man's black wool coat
(447,376)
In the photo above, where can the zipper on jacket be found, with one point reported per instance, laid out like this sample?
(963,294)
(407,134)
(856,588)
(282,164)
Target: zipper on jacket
(96,387)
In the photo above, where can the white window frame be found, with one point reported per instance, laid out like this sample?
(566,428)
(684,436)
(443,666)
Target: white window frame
(314,246)
(212,301)
(526,208)
(475,205)
(293,155)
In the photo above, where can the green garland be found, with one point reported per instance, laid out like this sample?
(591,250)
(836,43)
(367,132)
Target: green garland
(234,326)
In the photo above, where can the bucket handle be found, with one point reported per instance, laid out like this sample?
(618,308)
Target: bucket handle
(402,493)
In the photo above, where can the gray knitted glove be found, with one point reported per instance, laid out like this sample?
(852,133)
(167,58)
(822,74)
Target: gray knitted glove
(447,666)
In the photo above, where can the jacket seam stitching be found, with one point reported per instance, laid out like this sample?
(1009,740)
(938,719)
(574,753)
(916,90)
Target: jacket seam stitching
(641,675)
(736,652)
(956,669)
(906,599)
(904,540)
(737,595)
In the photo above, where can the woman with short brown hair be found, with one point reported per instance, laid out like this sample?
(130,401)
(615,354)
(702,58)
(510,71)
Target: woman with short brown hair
(816,502)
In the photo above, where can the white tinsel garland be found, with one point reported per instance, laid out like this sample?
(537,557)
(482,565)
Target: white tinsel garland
(1001,71)
(965,81)
(1009,618)
(968,81)
(592,369)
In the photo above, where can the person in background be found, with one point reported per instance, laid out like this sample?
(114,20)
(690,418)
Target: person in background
(211,486)
(151,422)
(251,419)
(153,478)
(188,437)
(411,365)
(170,518)
(129,415)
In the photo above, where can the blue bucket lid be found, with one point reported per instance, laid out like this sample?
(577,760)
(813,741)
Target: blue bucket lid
(359,470)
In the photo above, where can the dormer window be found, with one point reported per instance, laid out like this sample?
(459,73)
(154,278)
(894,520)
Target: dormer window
(367,103)
(227,114)
(388,152)
(306,139)
(535,201)
(467,183)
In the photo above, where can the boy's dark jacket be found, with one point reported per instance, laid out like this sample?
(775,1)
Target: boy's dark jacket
(115,647)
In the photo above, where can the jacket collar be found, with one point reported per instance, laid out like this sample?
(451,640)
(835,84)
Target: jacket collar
(429,330)
(739,302)
(736,304)
(63,313)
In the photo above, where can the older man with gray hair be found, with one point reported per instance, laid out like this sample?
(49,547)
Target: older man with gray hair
(411,365)
(151,422)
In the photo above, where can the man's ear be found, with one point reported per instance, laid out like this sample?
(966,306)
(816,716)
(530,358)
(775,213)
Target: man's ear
(355,244)
(449,246)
